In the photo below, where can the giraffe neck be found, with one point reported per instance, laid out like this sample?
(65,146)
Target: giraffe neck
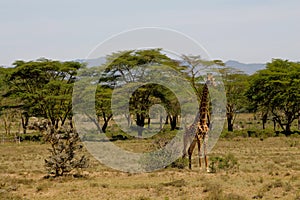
(204,106)
(203,109)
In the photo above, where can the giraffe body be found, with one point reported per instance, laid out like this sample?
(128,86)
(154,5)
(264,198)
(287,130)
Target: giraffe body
(197,133)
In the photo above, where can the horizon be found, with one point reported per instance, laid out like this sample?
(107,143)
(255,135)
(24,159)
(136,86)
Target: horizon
(84,59)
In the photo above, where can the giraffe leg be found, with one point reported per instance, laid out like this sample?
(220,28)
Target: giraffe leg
(185,141)
(190,161)
(190,152)
(199,152)
(205,138)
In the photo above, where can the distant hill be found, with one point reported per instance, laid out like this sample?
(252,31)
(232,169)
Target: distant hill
(250,68)
(92,62)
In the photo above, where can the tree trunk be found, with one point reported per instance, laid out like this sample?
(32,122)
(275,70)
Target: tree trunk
(71,123)
(128,117)
(7,121)
(53,123)
(140,122)
(149,121)
(288,129)
(104,126)
(96,122)
(161,122)
(63,121)
(57,123)
(140,131)
(106,120)
(290,119)
(229,123)
(167,119)
(25,120)
(264,120)
(230,114)
(173,122)
(274,124)
(5,127)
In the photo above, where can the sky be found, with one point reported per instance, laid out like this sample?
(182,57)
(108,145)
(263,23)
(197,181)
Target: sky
(250,31)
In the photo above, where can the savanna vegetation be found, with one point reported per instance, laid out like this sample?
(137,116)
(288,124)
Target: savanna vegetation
(42,157)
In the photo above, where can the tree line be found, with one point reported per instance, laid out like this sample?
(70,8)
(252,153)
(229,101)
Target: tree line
(43,88)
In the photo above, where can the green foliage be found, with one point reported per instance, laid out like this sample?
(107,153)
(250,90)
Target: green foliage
(7,105)
(236,83)
(33,137)
(257,133)
(232,134)
(180,163)
(103,105)
(193,67)
(228,163)
(44,88)
(127,70)
(276,90)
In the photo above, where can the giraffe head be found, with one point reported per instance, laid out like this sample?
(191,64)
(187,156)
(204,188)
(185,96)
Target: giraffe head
(210,80)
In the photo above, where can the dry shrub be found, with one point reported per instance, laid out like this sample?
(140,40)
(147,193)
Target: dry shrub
(64,149)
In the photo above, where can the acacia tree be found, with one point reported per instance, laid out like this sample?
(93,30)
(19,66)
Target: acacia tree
(170,102)
(276,89)
(45,88)
(103,105)
(193,67)
(121,69)
(195,70)
(3,72)
(10,106)
(236,83)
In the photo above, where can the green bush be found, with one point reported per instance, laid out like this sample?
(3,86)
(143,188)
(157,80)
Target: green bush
(180,163)
(34,137)
(233,134)
(228,163)
(256,133)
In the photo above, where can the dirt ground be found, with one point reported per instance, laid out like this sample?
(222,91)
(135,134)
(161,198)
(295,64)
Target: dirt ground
(255,169)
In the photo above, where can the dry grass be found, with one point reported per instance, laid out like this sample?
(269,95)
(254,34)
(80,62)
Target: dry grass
(268,169)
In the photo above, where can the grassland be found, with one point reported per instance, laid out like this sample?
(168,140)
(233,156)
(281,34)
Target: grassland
(267,168)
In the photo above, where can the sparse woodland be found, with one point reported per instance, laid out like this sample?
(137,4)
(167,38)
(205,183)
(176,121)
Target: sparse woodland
(42,156)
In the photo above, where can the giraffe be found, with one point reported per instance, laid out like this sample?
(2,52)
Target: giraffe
(198,130)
